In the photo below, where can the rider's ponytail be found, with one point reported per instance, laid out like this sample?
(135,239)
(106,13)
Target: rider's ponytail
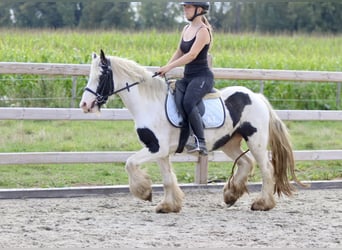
(210,28)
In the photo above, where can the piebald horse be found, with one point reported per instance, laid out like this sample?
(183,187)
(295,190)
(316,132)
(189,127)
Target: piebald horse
(249,117)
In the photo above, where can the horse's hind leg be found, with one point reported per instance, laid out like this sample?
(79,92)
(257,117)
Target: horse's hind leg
(173,195)
(237,185)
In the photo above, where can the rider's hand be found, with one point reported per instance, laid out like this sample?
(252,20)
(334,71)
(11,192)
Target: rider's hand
(163,70)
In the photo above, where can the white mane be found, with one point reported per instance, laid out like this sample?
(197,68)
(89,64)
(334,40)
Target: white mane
(129,70)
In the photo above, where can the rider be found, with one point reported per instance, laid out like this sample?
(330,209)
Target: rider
(198,79)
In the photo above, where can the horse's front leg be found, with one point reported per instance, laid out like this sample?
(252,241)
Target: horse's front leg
(237,184)
(173,195)
(140,183)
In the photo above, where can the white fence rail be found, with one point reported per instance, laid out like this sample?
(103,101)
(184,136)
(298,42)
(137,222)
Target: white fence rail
(122,114)
(220,73)
(119,157)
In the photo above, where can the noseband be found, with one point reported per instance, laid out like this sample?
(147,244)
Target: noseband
(105,88)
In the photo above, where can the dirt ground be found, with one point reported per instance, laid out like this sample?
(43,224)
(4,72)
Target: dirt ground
(311,219)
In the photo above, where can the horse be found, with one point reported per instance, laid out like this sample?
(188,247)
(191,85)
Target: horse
(249,117)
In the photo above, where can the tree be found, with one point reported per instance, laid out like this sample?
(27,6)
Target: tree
(235,16)
(158,15)
(7,18)
(106,15)
(38,14)
(272,17)
(70,13)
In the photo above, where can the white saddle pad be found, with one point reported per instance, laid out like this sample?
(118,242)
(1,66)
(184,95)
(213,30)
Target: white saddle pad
(213,117)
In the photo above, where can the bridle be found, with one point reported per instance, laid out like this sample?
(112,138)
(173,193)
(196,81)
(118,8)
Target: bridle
(105,89)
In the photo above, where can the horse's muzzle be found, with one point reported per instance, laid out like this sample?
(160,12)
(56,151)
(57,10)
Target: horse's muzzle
(85,108)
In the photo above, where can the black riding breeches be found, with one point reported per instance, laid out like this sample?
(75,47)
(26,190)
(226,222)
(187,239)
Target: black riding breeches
(189,93)
(191,90)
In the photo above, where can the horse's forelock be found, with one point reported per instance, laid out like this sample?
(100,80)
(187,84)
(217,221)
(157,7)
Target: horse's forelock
(95,68)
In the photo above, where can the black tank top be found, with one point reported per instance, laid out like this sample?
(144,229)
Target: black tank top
(200,63)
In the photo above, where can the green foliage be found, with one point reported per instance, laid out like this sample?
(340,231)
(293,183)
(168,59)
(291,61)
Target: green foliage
(64,136)
(104,15)
(234,16)
(160,15)
(46,176)
(151,48)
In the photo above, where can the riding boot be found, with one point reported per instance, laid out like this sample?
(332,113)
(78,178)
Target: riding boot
(185,127)
(196,124)
(184,135)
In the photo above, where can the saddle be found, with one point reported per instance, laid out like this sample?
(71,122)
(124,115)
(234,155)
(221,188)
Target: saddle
(211,109)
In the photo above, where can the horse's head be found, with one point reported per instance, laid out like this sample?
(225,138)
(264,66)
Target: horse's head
(100,84)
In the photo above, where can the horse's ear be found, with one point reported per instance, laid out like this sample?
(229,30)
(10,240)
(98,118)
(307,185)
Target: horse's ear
(103,58)
(93,55)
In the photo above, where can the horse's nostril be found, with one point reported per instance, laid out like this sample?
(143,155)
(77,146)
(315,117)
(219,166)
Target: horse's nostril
(83,104)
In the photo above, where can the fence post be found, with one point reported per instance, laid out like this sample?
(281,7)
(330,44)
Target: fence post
(201,171)
(73,91)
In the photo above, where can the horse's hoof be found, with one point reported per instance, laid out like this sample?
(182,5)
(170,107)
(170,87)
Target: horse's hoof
(229,202)
(164,209)
(149,197)
(229,198)
(144,194)
(231,193)
(260,205)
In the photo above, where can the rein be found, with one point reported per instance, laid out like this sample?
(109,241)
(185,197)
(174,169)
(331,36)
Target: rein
(128,86)
(100,98)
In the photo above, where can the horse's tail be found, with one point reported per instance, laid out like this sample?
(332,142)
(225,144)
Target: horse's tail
(282,154)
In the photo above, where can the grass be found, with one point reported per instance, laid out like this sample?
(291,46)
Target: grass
(55,136)
(152,48)
(67,175)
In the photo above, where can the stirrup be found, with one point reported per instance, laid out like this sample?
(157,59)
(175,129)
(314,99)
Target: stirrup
(193,146)
(196,147)
(203,149)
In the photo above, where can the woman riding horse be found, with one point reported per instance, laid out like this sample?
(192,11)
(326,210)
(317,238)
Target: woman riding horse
(198,79)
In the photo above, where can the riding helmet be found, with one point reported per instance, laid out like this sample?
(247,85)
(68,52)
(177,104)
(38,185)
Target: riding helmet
(204,5)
